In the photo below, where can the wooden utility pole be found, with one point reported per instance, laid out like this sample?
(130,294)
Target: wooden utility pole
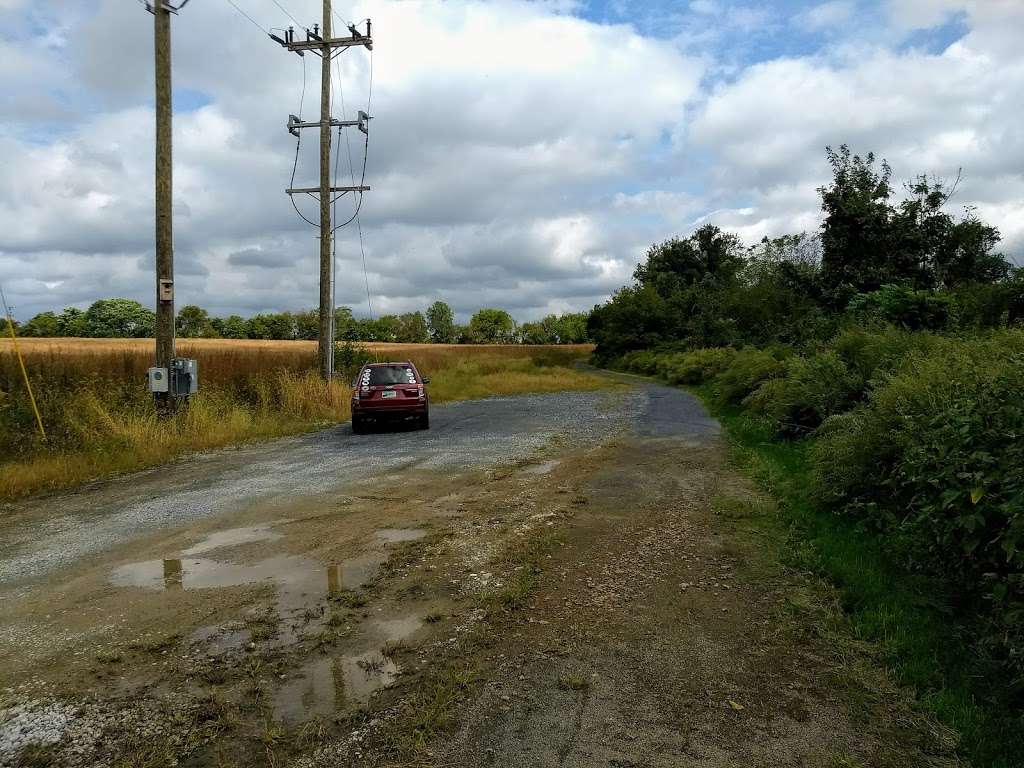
(162,11)
(321,42)
(326,343)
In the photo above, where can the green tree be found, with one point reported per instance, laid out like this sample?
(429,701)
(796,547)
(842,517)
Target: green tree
(232,327)
(492,326)
(307,324)
(119,318)
(386,328)
(72,322)
(534,333)
(441,323)
(193,322)
(709,253)
(45,324)
(278,325)
(345,326)
(413,328)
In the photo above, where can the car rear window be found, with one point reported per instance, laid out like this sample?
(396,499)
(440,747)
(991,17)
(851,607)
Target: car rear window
(389,374)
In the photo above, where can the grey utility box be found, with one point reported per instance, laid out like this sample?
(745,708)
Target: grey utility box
(157,379)
(184,377)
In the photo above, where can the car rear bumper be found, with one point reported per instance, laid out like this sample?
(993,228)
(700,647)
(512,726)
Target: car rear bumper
(390,411)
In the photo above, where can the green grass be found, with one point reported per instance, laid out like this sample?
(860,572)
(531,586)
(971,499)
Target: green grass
(905,615)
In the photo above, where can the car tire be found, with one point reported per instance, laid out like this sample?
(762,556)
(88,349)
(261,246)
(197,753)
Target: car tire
(358,427)
(424,421)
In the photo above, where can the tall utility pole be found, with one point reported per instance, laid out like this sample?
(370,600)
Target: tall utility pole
(320,41)
(162,11)
(325,346)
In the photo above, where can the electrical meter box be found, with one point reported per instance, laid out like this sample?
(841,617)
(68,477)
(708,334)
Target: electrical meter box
(157,379)
(184,377)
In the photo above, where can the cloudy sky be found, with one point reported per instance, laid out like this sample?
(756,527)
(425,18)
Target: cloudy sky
(523,154)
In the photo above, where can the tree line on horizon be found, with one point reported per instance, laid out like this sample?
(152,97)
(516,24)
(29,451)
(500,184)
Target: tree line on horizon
(126,318)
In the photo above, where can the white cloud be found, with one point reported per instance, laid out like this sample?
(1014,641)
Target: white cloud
(518,155)
(827,15)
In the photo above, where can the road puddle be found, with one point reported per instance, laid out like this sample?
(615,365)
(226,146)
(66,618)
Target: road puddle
(354,572)
(397,535)
(299,583)
(327,684)
(233,537)
(543,468)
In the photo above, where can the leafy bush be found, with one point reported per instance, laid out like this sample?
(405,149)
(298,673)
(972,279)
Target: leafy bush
(700,365)
(810,389)
(904,307)
(745,372)
(641,361)
(935,462)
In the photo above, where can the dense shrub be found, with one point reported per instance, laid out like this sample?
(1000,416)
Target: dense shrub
(935,462)
(809,390)
(701,365)
(745,372)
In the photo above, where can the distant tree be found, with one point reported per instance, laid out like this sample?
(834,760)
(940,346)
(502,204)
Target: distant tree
(345,327)
(413,328)
(231,327)
(193,322)
(279,325)
(386,328)
(441,323)
(124,318)
(492,326)
(571,328)
(534,333)
(307,324)
(72,322)
(45,324)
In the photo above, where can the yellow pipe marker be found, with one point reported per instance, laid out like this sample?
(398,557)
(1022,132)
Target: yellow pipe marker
(24,373)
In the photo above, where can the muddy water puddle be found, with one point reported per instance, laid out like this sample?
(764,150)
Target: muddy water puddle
(234,537)
(398,535)
(327,684)
(324,684)
(543,468)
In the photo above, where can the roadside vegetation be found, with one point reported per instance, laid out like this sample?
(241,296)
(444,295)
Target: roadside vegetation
(873,378)
(100,420)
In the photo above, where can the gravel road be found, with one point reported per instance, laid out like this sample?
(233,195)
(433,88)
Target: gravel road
(52,532)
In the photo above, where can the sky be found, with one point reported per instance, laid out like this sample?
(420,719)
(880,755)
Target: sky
(522,155)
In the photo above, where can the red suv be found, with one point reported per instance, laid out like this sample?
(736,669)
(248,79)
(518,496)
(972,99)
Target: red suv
(388,392)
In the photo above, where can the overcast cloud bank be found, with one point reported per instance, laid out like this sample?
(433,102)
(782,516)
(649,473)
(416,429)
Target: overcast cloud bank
(523,155)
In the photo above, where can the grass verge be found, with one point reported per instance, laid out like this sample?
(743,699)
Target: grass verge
(101,422)
(905,615)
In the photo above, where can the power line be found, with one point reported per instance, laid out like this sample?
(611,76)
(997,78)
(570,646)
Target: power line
(285,10)
(246,15)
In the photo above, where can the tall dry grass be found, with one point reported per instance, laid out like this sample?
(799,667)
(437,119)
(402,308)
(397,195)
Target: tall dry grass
(100,420)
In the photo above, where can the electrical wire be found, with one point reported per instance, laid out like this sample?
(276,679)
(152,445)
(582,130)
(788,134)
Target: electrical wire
(246,15)
(298,144)
(285,10)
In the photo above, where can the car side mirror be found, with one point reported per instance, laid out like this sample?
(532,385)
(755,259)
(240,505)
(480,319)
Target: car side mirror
(426,379)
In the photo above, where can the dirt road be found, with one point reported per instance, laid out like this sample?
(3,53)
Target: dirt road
(558,580)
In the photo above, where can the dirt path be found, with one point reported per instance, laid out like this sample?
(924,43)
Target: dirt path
(606,601)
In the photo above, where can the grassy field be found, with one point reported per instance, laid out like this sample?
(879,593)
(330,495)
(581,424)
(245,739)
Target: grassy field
(100,420)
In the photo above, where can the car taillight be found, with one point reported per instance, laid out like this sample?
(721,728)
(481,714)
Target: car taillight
(421,393)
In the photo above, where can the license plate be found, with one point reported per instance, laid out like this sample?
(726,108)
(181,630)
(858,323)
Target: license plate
(388,393)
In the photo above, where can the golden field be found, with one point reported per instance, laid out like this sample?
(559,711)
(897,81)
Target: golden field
(100,420)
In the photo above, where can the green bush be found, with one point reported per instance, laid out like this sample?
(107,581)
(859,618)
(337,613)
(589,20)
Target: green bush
(810,389)
(745,372)
(701,365)
(934,461)
(641,361)
(905,307)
